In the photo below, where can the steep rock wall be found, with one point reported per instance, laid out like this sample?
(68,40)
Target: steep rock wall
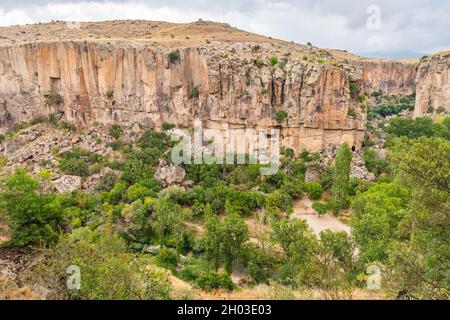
(95,83)
(433,83)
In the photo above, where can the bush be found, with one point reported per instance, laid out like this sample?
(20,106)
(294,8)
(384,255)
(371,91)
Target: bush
(385,110)
(54,99)
(67,126)
(34,219)
(106,182)
(107,271)
(115,131)
(168,126)
(109,93)
(320,207)
(314,190)
(74,167)
(195,91)
(440,110)
(279,201)
(374,163)
(411,129)
(354,89)
(280,116)
(259,63)
(138,192)
(274,60)
(168,258)
(174,56)
(116,145)
(352,112)
(213,281)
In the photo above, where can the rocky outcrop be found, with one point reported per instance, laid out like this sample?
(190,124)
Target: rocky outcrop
(225,83)
(169,175)
(357,168)
(390,77)
(67,184)
(433,83)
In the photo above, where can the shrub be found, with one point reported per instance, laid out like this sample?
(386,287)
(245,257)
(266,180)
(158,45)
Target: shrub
(213,281)
(106,182)
(74,167)
(54,99)
(116,145)
(107,271)
(67,126)
(362,98)
(195,91)
(374,163)
(280,116)
(115,131)
(440,110)
(174,56)
(109,93)
(314,190)
(259,63)
(352,112)
(411,129)
(279,201)
(34,219)
(138,192)
(168,258)
(168,126)
(52,119)
(274,60)
(354,89)
(385,110)
(320,207)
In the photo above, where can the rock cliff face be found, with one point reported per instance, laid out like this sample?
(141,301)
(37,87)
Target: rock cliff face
(433,83)
(226,84)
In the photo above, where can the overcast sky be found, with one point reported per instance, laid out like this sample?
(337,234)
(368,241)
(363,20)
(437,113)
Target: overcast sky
(399,28)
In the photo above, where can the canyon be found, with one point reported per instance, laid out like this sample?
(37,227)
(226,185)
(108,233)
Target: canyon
(152,73)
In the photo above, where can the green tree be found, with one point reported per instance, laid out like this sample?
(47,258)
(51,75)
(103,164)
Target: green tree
(168,219)
(234,235)
(377,214)
(314,190)
(341,179)
(107,271)
(419,260)
(34,218)
(213,236)
(74,167)
(138,192)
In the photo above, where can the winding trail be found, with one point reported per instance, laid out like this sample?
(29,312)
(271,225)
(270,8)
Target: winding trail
(303,210)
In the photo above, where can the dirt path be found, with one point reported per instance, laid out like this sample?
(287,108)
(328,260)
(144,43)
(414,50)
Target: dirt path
(303,210)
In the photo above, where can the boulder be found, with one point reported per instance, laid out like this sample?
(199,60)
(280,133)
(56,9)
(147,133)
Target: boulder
(312,174)
(169,175)
(153,250)
(67,184)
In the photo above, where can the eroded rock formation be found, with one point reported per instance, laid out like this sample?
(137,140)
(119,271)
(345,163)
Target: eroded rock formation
(433,83)
(224,83)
